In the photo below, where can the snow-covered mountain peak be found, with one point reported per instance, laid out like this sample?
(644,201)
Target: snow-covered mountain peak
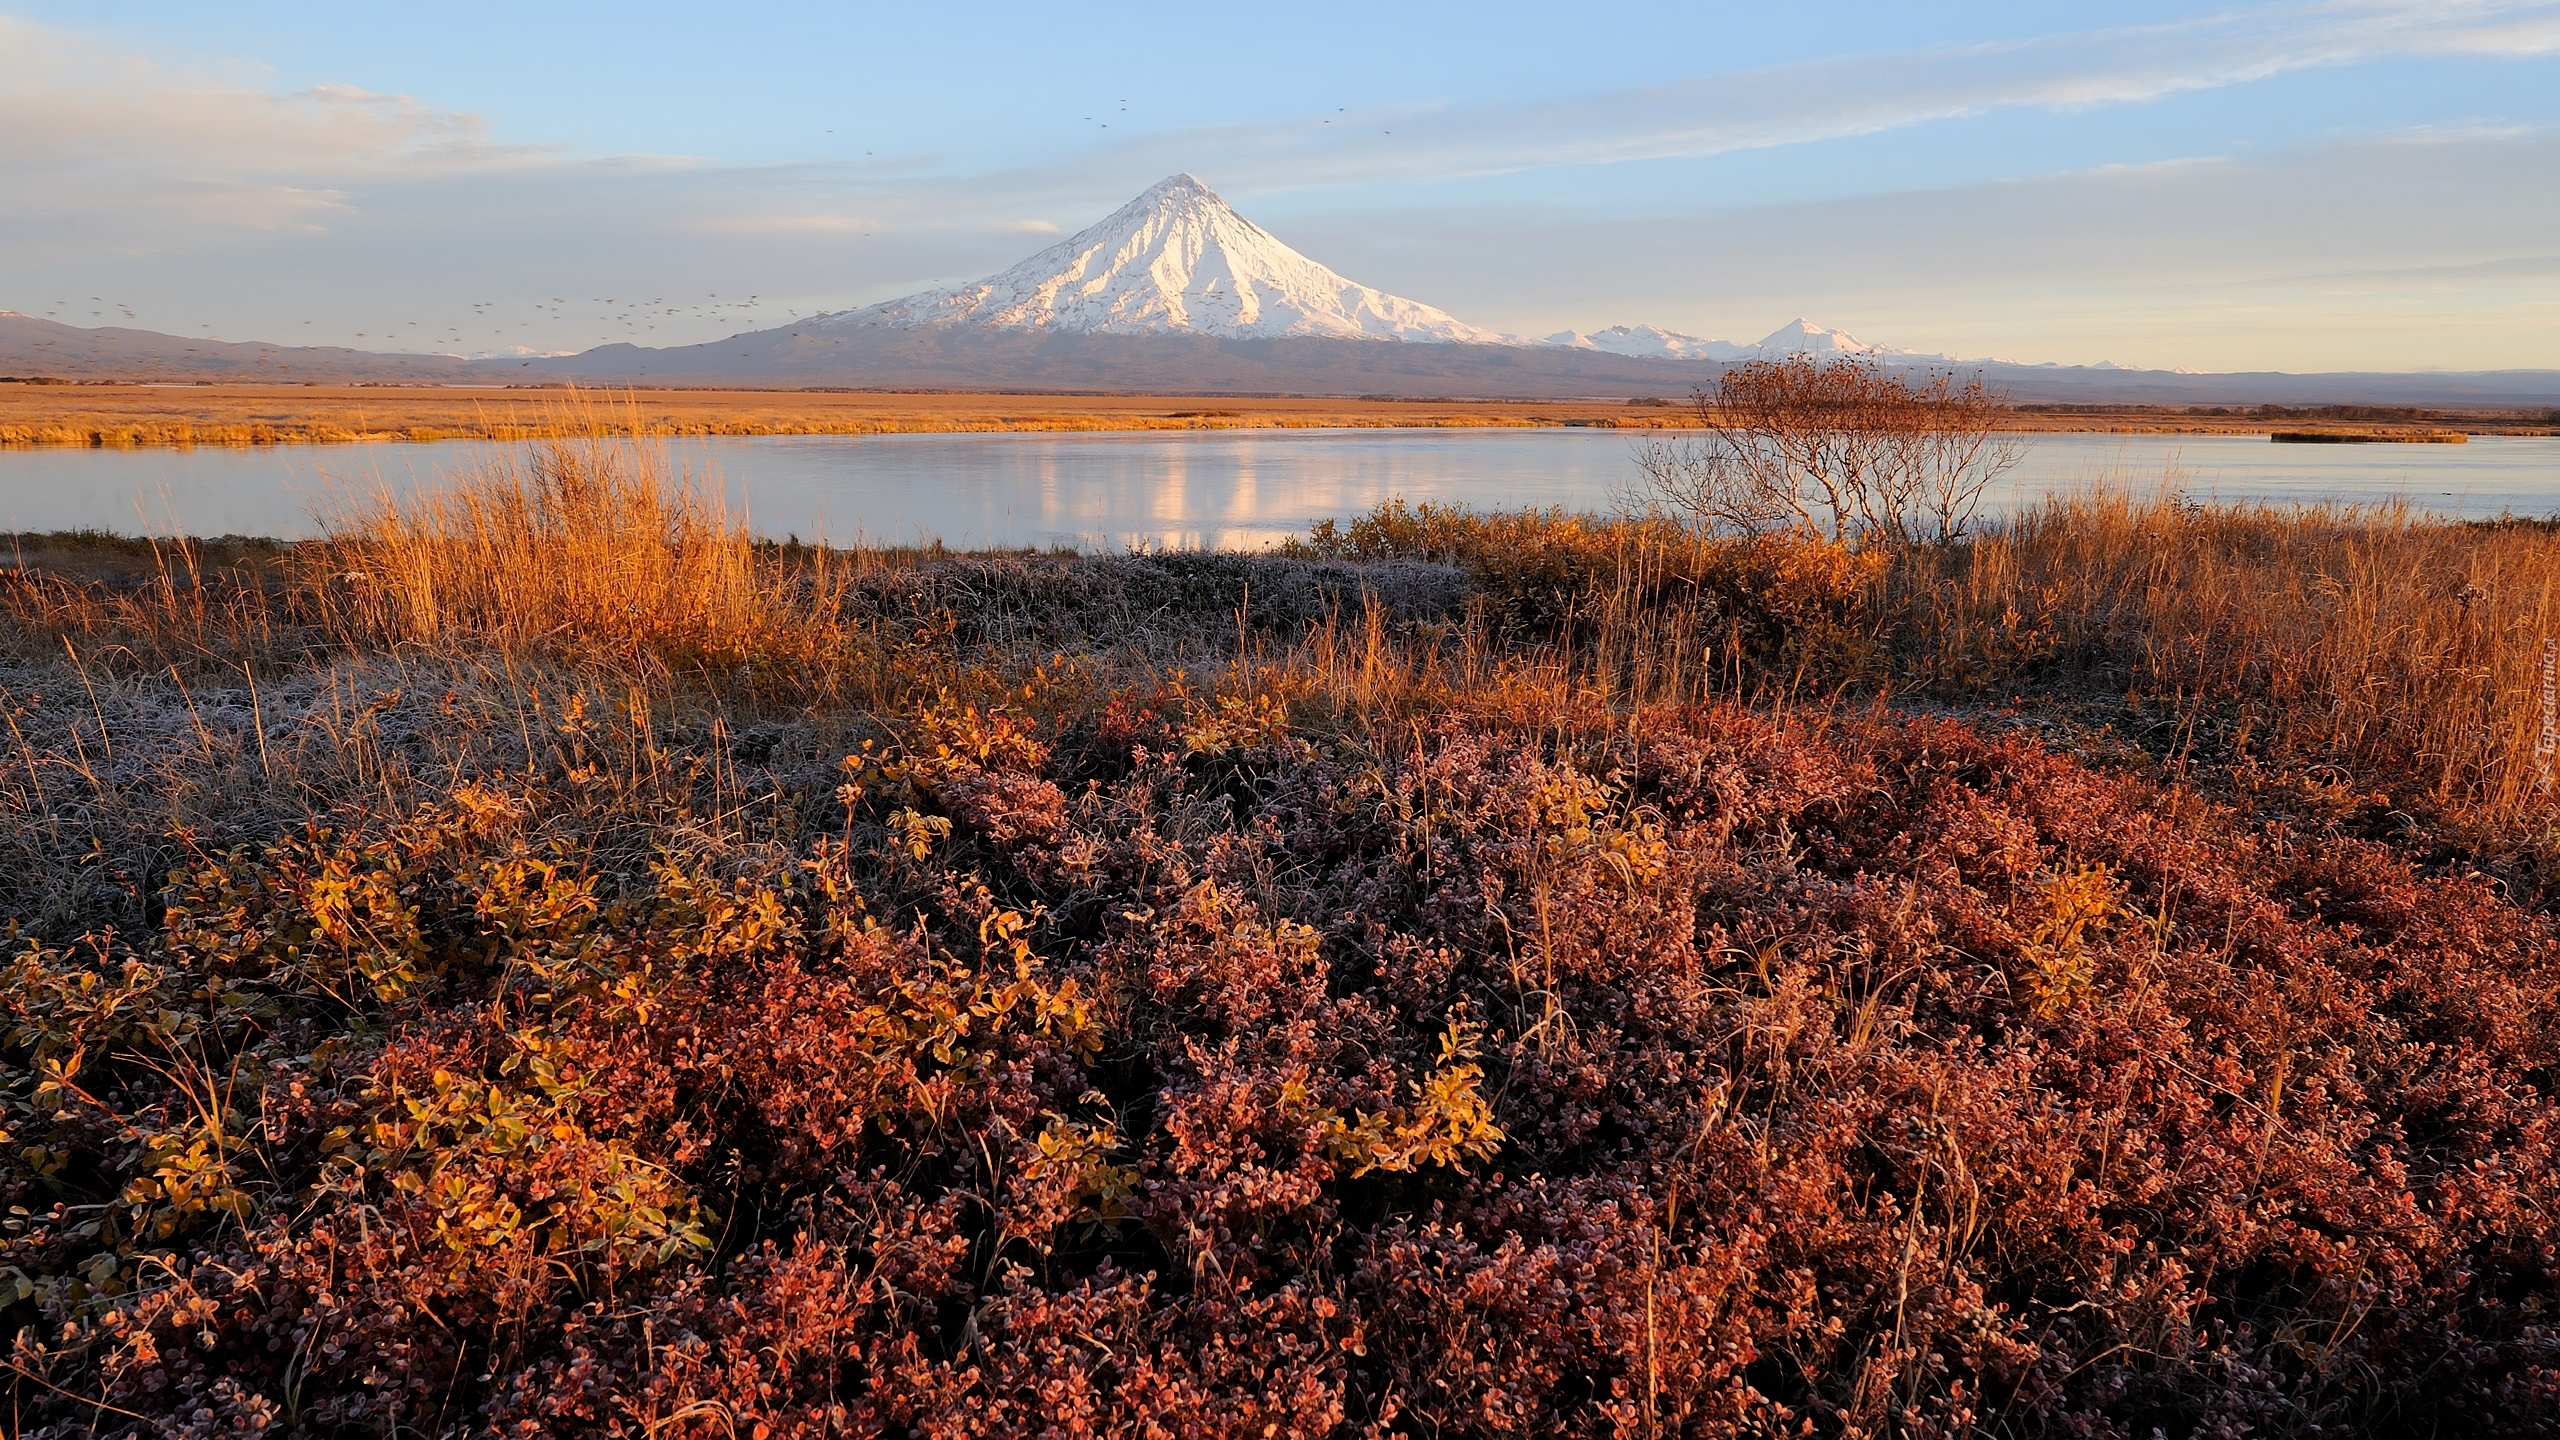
(1651,340)
(1797,337)
(1182,189)
(1175,260)
(1802,337)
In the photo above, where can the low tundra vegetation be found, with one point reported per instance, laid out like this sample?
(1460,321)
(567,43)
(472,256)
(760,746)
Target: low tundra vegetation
(1474,976)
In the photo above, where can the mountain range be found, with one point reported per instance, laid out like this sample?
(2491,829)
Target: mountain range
(1177,292)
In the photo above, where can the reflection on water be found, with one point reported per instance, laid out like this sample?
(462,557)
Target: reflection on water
(1200,489)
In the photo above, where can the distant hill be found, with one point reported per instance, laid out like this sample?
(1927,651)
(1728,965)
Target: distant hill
(1177,293)
(30,346)
(953,357)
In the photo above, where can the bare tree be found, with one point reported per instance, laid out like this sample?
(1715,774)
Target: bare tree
(1844,449)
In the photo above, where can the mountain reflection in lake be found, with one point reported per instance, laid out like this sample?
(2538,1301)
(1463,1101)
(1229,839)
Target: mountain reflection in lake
(1214,489)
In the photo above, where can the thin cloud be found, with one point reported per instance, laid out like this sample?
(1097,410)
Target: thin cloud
(1840,98)
(768,224)
(2425,250)
(66,102)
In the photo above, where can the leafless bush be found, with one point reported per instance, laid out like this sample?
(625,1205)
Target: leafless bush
(1844,450)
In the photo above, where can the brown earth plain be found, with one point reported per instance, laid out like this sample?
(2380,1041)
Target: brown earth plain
(139,414)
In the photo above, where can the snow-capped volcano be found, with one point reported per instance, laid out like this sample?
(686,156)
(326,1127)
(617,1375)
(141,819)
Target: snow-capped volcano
(1176,260)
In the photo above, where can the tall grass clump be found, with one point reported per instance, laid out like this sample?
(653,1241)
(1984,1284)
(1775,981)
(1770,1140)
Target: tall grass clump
(2373,639)
(575,543)
(1637,610)
(2369,646)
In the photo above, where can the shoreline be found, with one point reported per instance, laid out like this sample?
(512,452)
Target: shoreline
(185,416)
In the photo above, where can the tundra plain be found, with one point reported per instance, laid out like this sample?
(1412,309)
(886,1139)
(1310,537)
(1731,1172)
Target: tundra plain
(541,961)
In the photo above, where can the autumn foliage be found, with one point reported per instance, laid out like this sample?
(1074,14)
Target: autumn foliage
(1378,1025)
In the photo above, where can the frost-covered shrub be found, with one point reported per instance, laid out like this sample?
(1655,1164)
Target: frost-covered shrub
(1709,1075)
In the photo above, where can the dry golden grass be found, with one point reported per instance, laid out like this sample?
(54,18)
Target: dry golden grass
(578,544)
(126,416)
(2369,639)
(2365,648)
(2348,648)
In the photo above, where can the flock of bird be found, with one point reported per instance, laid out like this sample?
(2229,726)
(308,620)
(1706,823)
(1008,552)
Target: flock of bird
(498,327)
(62,305)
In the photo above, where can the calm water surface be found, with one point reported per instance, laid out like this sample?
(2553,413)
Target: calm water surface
(1195,489)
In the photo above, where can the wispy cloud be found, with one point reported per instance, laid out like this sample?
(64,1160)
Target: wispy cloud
(2432,249)
(104,149)
(1860,95)
(68,102)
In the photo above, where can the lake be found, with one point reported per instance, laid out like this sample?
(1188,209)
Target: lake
(1198,488)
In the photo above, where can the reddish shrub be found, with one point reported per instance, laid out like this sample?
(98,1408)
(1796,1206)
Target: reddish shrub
(1741,1077)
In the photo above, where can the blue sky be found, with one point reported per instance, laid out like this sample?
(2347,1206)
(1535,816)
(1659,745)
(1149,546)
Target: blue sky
(2302,186)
